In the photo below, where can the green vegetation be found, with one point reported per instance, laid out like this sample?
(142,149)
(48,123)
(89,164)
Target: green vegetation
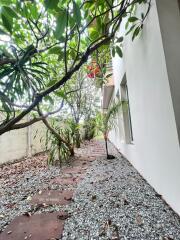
(106,121)
(46,48)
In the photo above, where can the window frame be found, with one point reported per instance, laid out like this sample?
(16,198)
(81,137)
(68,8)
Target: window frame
(128,130)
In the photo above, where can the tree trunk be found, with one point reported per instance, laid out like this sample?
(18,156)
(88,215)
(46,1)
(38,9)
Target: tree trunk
(106,144)
(71,149)
(107,154)
(78,139)
(59,155)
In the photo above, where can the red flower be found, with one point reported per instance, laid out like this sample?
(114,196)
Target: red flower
(91,75)
(93,70)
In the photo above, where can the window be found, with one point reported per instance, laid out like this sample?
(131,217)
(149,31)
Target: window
(120,122)
(126,112)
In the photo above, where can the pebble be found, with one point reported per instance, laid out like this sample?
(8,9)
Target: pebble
(112,202)
(15,198)
(115,202)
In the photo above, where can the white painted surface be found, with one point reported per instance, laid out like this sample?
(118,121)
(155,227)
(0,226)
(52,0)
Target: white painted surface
(155,152)
(170,29)
(21,143)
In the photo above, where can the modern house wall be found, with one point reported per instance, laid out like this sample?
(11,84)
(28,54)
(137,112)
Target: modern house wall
(150,67)
(169,18)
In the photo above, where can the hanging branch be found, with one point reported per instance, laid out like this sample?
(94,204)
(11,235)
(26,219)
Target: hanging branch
(93,46)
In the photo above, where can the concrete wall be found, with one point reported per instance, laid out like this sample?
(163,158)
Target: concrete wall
(20,143)
(155,151)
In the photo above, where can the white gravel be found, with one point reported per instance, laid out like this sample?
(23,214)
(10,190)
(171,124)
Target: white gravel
(14,198)
(114,202)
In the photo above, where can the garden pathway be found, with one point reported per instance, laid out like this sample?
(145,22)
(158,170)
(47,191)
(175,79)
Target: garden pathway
(43,217)
(91,199)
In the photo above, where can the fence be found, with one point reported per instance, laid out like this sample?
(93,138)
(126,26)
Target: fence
(23,142)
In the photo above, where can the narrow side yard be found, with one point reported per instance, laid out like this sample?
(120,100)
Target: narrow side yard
(91,198)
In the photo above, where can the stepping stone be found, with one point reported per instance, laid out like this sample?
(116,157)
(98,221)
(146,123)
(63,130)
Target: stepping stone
(64,181)
(43,226)
(90,158)
(80,163)
(74,170)
(51,197)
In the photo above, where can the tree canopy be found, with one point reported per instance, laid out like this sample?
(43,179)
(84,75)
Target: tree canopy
(44,42)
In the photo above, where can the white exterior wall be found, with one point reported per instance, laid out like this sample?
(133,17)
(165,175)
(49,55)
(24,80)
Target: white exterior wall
(155,152)
(21,143)
(170,30)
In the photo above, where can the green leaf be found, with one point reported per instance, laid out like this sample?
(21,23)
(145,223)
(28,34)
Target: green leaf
(60,24)
(133,19)
(94,34)
(6,72)
(55,50)
(34,10)
(35,71)
(9,12)
(77,13)
(142,16)
(119,51)
(71,22)
(50,99)
(119,40)
(51,4)
(130,30)
(51,83)
(109,75)
(113,52)
(124,15)
(60,93)
(72,53)
(41,66)
(126,25)
(136,32)
(5,2)
(7,23)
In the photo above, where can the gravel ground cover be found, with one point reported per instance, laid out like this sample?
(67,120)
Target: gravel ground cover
(19,182)
(114,202)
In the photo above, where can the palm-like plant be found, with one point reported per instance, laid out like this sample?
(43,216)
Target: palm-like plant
(106,121)
(59,140)
(20,79)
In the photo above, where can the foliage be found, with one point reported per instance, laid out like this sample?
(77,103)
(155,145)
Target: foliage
(89,128)
(45,42)
(75,134)
(105,121)
(83,103)
(59,150)
(79,103)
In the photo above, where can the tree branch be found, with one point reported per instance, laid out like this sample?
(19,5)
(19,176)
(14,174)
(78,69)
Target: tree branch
(92,48)
(4,61)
